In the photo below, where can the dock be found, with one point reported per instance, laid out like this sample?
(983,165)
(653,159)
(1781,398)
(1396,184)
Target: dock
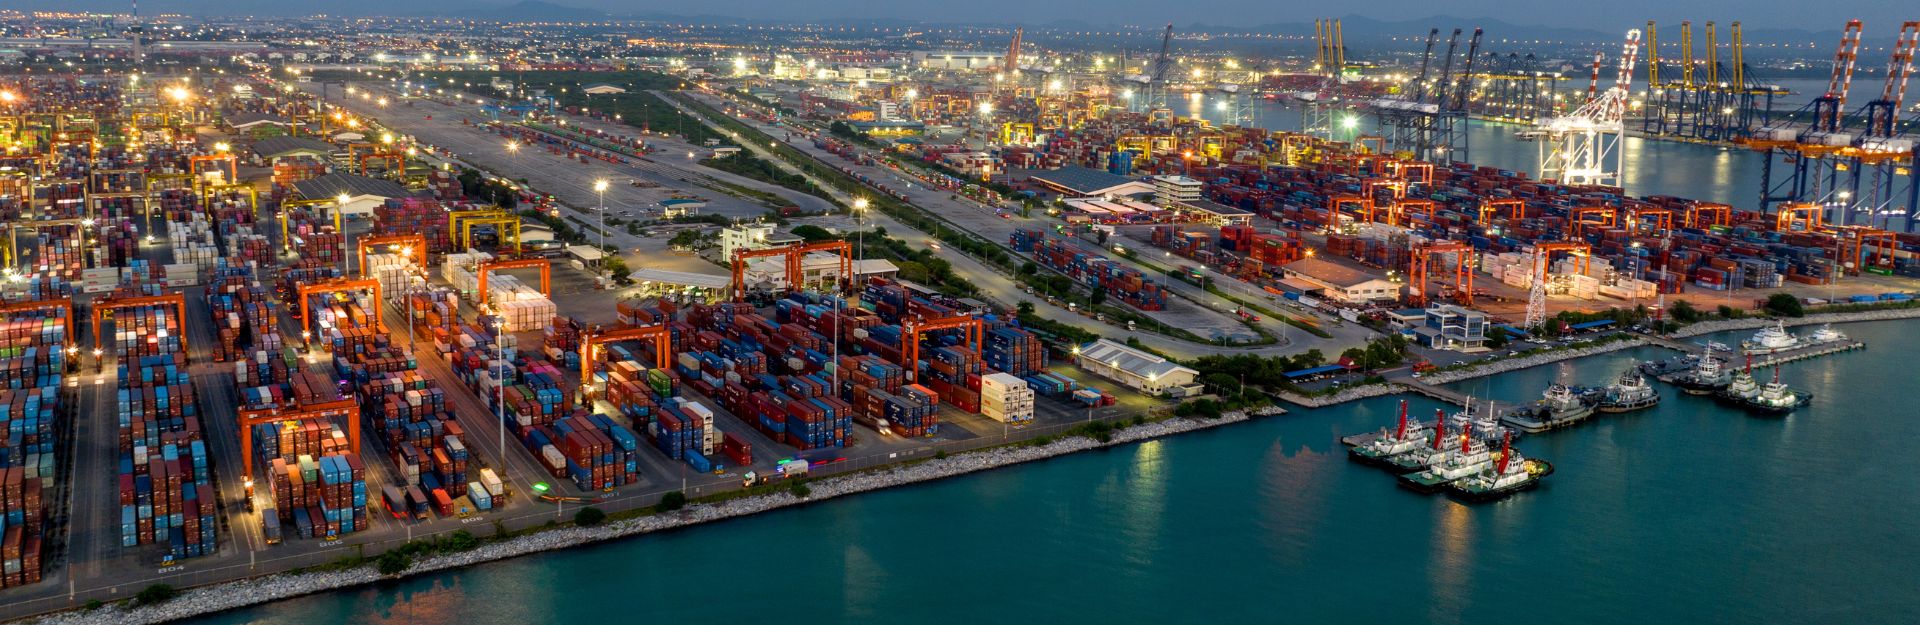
(1768,360)
(1441,393)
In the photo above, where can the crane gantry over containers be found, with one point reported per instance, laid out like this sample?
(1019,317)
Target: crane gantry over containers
(1851,166)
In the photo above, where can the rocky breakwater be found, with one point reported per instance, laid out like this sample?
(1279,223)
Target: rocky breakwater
(243,593)
(1524,361)
(1722,325)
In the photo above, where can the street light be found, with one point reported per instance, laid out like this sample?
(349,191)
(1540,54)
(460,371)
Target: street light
(600,187)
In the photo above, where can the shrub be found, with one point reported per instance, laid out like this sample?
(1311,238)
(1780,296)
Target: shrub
(393,562)
(671,501)
(800,489)
(155,594)
(589,517)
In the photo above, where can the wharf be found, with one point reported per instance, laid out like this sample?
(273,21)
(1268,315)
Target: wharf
(1441,393)
(1768,360)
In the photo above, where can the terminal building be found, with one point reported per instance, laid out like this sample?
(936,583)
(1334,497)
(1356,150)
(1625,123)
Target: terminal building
(1338,282)
(1451,327)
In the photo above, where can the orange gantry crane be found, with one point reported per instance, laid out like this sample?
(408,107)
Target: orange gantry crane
(345,409)
(1637,221)
(661,337)
(1515,209)
(1580,218)
(1860,246)
(1800,216)
(1543,256)
(1363,205)
(334,286)
(795,257)
(416,243)
(1715,214)
(101,306)
(62,305)
(1404,211)
(910,338)
(224,162)
(487,268)
(1418,270)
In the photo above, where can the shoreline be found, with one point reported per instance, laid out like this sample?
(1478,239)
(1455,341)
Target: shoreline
(222,597)
(1709,327)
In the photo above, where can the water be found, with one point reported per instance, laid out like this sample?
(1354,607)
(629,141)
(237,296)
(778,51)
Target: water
(1684,513)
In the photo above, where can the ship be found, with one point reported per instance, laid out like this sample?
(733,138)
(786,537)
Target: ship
(1742,389)
(1509,474)
(1472,457)
(1770,340)
(1434,453)
(1406,437)
(1486,426)
(1826,334)
(1708,375)
(1775,398)
(1558,407)
(1629,393)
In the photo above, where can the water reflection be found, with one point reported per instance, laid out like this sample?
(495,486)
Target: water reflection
(1450,570)
(1295,489)
(1145,501)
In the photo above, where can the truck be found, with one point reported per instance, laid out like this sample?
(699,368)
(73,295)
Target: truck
(270,525)
(396,502)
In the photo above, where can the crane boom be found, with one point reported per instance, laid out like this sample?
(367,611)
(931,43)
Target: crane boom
(1466,75)
(1426,60)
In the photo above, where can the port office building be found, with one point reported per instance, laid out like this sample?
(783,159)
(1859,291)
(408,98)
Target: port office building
(1137,369)
(1334,281)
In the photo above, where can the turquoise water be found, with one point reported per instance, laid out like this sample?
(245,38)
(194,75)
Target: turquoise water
(1684,513)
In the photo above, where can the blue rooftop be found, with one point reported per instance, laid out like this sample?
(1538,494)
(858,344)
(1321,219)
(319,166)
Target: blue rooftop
(1304,373)
(1592,324)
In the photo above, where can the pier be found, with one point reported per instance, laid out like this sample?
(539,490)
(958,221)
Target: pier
(1441,393)
(1768,360)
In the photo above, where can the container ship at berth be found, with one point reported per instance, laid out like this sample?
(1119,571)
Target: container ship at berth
(1559,407)
(1408,436)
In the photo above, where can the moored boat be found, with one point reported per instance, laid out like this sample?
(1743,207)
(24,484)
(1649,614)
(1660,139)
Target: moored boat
(1435,452)
(1769,340)
(1629,393)
(1709,374)
(1558,407)
(1509,474)
(1826,334)
(1775,398)
(1472,457)
(1405,437)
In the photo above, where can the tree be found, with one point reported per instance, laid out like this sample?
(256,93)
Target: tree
(1024,308)
(1099,295)
(1497,339)
(1683,311)
(393,563)
(800,489)
(157,593)
(1101,235)
(812,233)
(589,517)
(1028,268)
(671,501)
(1312,358)
(1785,304)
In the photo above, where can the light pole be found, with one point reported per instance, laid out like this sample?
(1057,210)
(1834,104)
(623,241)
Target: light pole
(600,188)
(407,253)
(340,210)
(500,384)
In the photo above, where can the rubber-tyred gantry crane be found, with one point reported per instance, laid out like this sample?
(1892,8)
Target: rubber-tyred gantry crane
(1705,214)
(62,305)
(1801,217)
(1403,211)
(1515,209)
(795,256)
(101,306)
(1362,205)
(345,409)
(415,242)
(1861,246)
(1420,263)
(487,268)
(914,328)
(1579,218)
(661,337)
(1638,215)
(335,286)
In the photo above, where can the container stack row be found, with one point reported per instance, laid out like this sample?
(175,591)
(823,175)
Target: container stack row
(166,486)
(33,362)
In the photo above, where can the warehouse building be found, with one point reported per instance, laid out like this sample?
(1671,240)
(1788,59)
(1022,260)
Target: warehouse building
(1137,369)
(362,193)
(1338,282)
(1074,181)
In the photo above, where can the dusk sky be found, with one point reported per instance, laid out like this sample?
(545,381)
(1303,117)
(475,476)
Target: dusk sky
(1882,16)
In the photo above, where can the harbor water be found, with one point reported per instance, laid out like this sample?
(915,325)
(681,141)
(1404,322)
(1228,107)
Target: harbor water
(1686,512)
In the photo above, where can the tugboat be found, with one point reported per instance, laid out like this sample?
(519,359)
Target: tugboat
(1508,475)
(1743,388)
(1628,394)
(1708,376)
(1826,334)
(1407,437)
(1558,407)
(1486,427)
(1776,399)
(1770,340)
(1472,457)
(1426,456)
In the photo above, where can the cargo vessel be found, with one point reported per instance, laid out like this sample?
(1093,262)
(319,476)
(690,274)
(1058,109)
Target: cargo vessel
(1406,437)
(1509,474)
(1629,393)
(1557,408)
(1770,340)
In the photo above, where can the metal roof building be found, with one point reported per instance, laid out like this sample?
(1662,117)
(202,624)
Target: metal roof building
(1135,368)
(281,147)
(1082,181)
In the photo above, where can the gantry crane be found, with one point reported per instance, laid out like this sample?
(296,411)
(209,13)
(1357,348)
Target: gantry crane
(253,195)
(61,305)
(1800,217)
(1516,209)
(286,228)
(1637,215)
(795,256)
(1418,266)
(462,223)
(914,328)
(1706,214)
(413,246)
(661,337)
(487,268)
(1578,219)
(101,306)
(1813,174)
(336,286)
(1581,146)
(1542,261)
(345,409)
(224,162)
(1362,205)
